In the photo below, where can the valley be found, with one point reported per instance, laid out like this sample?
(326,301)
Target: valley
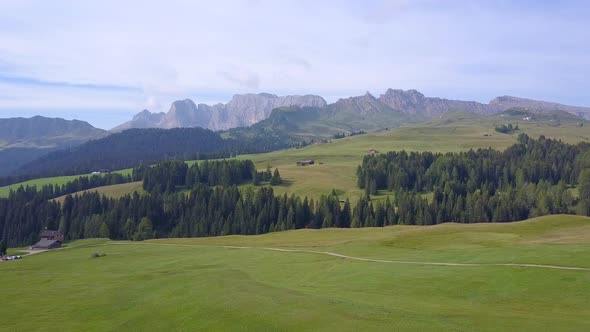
(294,166)
(337,161)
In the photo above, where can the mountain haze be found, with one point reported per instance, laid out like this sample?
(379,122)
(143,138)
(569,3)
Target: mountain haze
(40,131)
(242,110)
(25,139)
(414,102)
(507,102)
(247,109)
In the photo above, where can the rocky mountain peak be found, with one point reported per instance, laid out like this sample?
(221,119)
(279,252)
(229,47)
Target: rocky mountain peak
(241,110)
(365,104)
(146,115)
(414,102)
(184,113)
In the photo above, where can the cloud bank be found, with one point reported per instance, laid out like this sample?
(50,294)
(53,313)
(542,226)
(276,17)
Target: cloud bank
(110,59)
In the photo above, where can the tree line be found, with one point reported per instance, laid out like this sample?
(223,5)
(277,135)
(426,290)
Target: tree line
(148,146)
(81,183)
(27,210)
(201,211)
(531,178)
(507,129)
(167,176)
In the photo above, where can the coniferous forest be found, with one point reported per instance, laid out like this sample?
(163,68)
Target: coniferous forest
(135,146)
(531,178)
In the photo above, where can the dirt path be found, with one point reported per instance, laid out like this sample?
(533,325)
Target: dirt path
(333,254)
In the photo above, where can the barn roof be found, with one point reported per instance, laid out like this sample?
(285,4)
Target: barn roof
(44,243)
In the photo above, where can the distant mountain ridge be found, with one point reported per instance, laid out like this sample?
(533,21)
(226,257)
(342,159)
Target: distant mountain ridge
(40,131)
(247,109)
(241,111)
(507,102)
(25,139)
(414,102)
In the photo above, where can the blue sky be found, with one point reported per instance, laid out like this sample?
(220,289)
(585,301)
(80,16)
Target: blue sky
(103,61)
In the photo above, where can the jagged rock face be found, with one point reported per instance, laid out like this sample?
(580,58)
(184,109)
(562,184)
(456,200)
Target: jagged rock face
(248,109)
(364,105)
(143,119)
(413,102)
(184,113)
(241,110)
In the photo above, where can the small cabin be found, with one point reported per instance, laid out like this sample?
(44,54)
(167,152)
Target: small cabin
(52,235)
(50,239)
(45,244)
(305,162)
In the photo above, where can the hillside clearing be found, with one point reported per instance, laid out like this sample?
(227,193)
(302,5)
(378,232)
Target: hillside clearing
(113,191)
(56,181)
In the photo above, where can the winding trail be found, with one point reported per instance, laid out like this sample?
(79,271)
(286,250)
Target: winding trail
(333,254)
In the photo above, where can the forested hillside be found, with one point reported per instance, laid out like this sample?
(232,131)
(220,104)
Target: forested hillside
(145,146)
(25,139)
(532,178)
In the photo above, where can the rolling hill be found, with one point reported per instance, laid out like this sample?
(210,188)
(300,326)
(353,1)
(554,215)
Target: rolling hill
(130,148)
(336,162)
(483,277)
(25,139)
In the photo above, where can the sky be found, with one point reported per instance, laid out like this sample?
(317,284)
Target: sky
(103,61)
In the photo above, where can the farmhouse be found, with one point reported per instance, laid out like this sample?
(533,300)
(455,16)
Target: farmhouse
(49,240)
(305,162)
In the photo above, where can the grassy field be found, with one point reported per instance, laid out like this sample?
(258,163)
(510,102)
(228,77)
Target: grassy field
(58,180)
(336,162)
(114,191)
(194,284)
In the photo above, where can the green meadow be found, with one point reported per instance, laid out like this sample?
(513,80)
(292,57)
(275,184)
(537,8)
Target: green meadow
(336,162)
(113,191)
(197,284)
(57,180)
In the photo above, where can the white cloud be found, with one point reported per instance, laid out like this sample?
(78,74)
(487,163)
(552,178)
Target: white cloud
(211,50)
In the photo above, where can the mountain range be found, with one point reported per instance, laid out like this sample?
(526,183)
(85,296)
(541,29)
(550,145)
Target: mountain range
(25,139)
(269,120)
(248,109)
(241,111)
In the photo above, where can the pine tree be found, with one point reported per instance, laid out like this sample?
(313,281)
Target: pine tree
(276,178)
(584,192)
(103,232)
(345,215)
(144,230)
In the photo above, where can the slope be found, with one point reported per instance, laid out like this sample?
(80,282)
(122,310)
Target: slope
(336,162)
(187,284)
(25,139)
